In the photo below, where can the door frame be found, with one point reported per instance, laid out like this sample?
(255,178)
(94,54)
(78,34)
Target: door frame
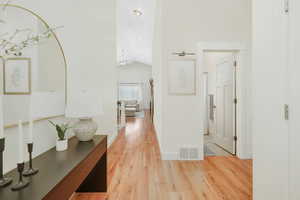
(206,116)
(243,91)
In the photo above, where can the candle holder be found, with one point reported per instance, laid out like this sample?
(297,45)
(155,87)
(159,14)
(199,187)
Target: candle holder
(30,171)
(21,183)
(3,181)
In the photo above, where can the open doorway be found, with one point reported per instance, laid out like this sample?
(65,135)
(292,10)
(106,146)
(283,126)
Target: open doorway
(241,103)
(134,89)
(220,102)
(135,27)
(135,97)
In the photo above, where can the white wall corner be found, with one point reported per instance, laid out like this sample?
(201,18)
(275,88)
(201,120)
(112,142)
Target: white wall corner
(244,155)
(114,137)
(110,137)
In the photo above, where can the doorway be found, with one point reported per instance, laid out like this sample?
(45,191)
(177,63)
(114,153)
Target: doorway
(243,139)
(220,99)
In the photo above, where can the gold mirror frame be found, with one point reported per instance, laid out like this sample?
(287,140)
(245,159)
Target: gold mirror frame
(61,49)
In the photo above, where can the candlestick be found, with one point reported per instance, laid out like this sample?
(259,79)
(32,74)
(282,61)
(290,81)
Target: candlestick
(21,143)
(21,183)
(3,181)
(30,132)
(30,171)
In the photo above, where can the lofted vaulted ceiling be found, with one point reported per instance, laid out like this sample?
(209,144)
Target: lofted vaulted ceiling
(135,23)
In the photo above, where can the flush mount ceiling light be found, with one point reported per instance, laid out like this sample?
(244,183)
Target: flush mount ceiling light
(137,12)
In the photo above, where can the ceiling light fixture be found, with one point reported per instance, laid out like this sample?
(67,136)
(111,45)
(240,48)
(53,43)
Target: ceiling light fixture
(137,12)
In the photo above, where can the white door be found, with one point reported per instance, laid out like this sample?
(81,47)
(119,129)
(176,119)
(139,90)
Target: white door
(225,108)
(269,93)
(294,101)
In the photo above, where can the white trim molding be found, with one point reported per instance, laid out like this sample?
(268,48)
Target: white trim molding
(169,156)
(243,90)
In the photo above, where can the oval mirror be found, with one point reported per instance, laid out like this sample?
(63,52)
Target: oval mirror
(34,67)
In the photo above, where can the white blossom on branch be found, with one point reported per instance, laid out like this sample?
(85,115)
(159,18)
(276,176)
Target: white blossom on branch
(17,41)
(9,44)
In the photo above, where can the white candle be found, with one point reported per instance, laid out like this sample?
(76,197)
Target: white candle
(30,131)
(1,118)
(21,143)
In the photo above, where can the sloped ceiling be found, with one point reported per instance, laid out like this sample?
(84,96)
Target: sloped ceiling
(135,33)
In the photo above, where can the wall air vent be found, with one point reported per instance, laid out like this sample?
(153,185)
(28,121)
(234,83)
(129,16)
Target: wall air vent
(189,153)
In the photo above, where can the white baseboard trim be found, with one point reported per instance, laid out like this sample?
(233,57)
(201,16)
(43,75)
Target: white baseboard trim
(169,156)
(245,156)
(175,156)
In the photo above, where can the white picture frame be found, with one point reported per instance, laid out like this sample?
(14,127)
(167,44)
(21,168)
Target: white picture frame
(17,76)
(182,77)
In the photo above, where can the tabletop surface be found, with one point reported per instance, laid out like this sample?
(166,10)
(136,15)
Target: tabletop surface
(53,167)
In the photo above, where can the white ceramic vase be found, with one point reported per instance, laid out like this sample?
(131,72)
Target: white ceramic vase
(61,145)
(85,129)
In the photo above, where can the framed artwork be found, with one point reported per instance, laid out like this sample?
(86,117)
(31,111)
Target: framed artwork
(182,77)
(17,76)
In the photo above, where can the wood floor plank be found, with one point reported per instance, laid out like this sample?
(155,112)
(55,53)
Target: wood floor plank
(90,196)
(136,171)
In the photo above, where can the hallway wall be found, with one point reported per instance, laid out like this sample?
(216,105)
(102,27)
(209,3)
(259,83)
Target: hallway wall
(182,25)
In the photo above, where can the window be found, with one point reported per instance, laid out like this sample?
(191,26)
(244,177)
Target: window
(130,92)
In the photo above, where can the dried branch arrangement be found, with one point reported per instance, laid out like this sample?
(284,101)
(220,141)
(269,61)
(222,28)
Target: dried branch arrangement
(13,43)
(9,44)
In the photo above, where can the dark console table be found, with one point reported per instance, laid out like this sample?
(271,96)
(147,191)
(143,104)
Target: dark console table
(82,168)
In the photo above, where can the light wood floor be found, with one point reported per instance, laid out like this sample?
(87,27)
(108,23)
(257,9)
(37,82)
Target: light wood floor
(136,171)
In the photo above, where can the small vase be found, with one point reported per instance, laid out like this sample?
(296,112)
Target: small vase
(85,129)
(61,145)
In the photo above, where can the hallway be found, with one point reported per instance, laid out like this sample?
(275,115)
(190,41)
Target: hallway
(136,171)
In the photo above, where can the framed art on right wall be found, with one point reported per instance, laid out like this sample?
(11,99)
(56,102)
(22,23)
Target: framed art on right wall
(182,77)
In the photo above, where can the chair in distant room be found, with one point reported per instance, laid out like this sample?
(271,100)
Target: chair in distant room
(131,107)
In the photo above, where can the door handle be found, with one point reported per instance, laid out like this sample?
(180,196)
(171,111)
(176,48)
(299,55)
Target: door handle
(286,112)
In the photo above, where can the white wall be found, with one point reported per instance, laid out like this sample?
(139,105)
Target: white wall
(183,25)
(157,72)
(137,73)
(89,42)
